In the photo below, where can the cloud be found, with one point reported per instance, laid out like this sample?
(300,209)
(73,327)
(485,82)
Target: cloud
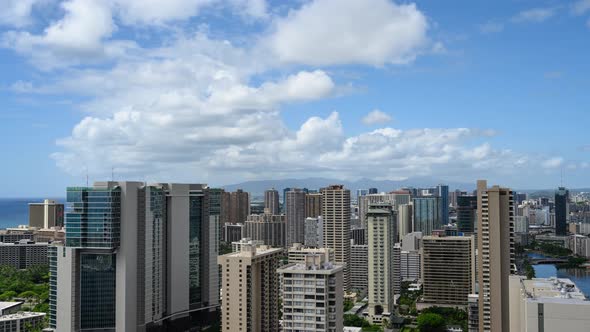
(534,15)
(555,162)
(335,32)
(154,12)
(580,7)
(16,12)
(491,27)
(376,117)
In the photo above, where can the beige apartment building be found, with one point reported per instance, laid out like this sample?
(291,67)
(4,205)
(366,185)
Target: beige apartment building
(250,289)
(312,295)
(448,270)
(495,233)
(336,219)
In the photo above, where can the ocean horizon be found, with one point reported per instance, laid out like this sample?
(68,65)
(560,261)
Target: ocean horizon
(15,211)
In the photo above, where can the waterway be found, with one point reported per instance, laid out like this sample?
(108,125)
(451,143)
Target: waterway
(581,277)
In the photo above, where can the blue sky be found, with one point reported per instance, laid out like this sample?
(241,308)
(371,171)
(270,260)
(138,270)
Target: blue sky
(225,91)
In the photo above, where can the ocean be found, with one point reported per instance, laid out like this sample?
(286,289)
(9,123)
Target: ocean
(15,211)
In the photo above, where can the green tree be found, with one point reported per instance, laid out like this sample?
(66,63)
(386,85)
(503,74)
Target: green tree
(355,321)
(431,322)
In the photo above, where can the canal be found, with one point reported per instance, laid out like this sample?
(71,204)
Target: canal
(581,277)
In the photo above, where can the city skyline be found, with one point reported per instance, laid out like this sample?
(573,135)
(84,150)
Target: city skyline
(246,95)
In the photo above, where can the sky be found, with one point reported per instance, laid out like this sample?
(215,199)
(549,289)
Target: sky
(221,92)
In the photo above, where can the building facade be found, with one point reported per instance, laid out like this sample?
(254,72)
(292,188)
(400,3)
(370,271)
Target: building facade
(270,229)
(466,214)
(561,211)
(295,210)
(312,293)
(271,201)
(427,214)
(359,268)
(46,215)
(297,253)
(250,288)
(496,259)
(336,218)
(314,232)
(313,205)
(23,254)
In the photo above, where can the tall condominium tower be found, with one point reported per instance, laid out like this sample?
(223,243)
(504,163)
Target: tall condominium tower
(238,206)
(312,295)
(442,191)
(136,256)
(495,233)
(47,214)
(216,209)
(381,223)
(314,232)
(404,220)
(336,218)
(271,201)
(466,213)
(250,289)
(561,211)
(359,268)
(267,228)
(295,203)
(427,214)
(448,270)
(313,205)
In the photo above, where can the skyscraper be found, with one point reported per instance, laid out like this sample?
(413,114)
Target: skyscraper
(427,214)
(295,203)
(314,232)
(466,213)
(47,214)
(448,270)
(561,210)
(359,268)
(312,295)
(336,218)
(495,234)
(404,220)
(239,206)
(271,201)
(313,205)
(147,251)
(250,289)
(442,191)
(381,234)
(267,228)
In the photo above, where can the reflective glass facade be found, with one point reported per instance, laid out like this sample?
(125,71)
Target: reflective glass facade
(97,291)
(427,214)
(93,217)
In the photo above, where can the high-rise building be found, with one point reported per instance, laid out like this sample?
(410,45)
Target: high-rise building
(448,270)
(336,218)
(236,246)
(250,285)
(561,211)
(381,222)
(549,304)
(46,215)
(442,191)
(312,293)
(233,232)
(397,268)
(295,203)
(359,268)
(358,235)
(271,201)
(404,220)
(216,209)
(314,232)
(410,265)
(267,228)
(238,206)
(411,241)
(313,205)
(473,313)
(427,214)
(466,213)
(136,256)
(495,233)
(297,253)
(373,191)
(23,254)
(361,192)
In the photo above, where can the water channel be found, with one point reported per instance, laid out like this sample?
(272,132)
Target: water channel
(581,277)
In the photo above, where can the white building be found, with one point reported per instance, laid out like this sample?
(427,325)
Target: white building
(313,297)
(549,305)
(297,253)
(237,245)
(21,322)
(314,232)
(579,245)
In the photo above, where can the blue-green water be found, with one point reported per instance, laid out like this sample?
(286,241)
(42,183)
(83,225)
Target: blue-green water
(581,277)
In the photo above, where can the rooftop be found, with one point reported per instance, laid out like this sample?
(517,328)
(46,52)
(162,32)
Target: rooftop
(21,315)
(8,305)
(553,290)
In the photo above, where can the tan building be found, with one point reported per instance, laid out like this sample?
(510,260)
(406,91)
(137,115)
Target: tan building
(549,305)
(236,206)
(336,218)
(250,289)
(313,205)
(46,215)
(271,201)
(380,226)
(312,295)
(404,220)
(495,233)
(295,211)
(448,270)
(267,228)
(297,253)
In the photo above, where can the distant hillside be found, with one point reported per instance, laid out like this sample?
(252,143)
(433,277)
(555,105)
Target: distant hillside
(258,187)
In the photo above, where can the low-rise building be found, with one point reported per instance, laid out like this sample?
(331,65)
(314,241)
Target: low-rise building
(21,322)
(237,245)
(7,308)
(23,254)
(547,304)
(297,253)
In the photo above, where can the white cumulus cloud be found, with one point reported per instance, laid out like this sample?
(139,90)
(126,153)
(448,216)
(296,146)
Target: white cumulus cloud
(376,117)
